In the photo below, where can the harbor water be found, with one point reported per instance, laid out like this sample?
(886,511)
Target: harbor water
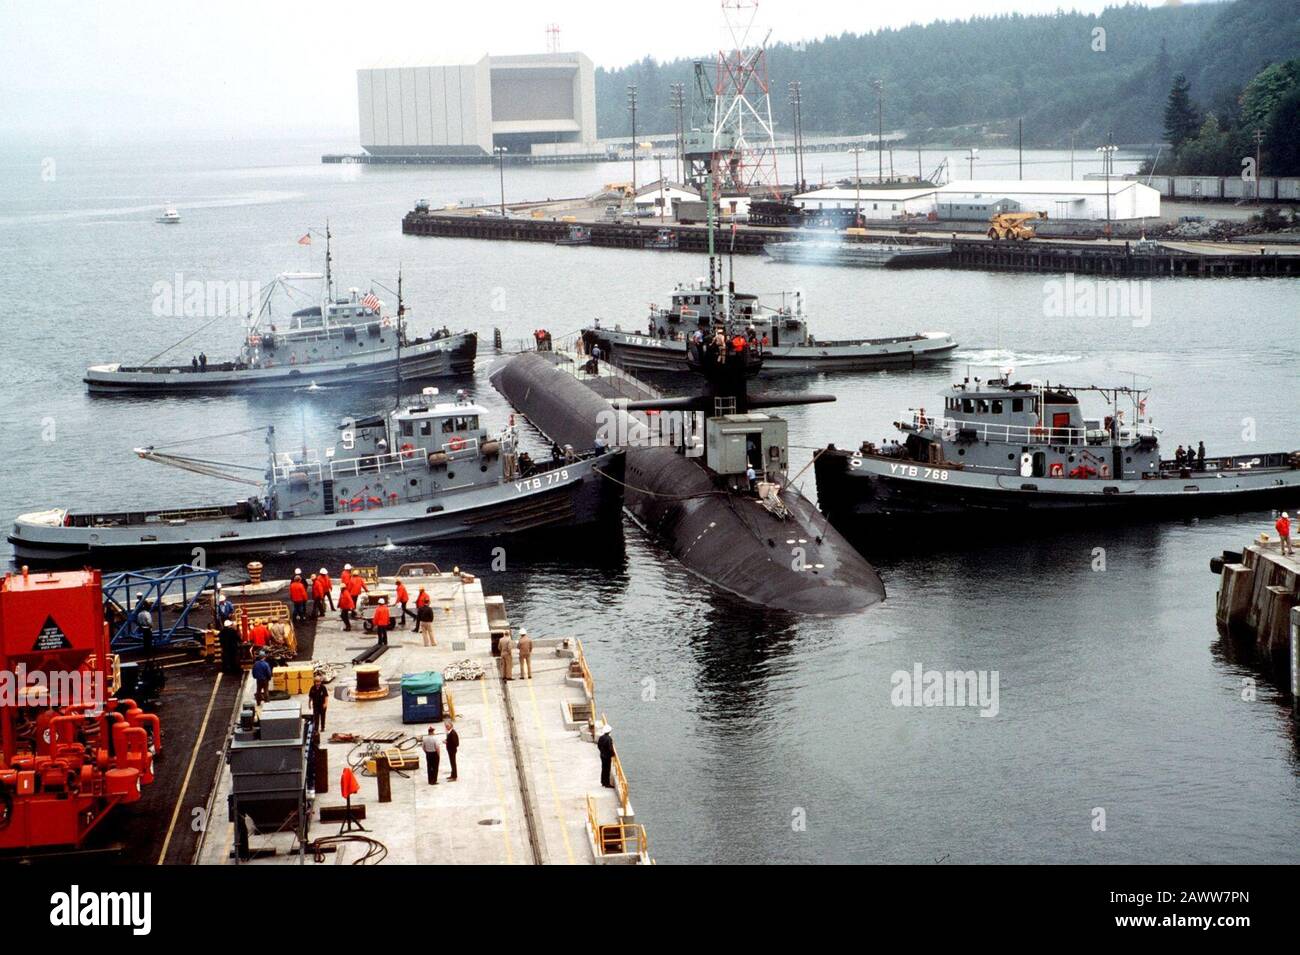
(1124,729)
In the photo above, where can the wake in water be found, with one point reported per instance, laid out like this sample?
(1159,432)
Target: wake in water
(1002,357)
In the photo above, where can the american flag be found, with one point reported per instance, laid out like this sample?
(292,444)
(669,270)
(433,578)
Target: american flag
(371,302)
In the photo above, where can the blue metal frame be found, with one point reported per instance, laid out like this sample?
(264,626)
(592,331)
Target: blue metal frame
(123,591)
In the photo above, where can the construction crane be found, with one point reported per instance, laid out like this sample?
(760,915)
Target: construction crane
(69,750)
(1013,225)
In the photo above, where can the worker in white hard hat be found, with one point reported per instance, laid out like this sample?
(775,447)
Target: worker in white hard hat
(1283,526)
(525,649)
(605,743)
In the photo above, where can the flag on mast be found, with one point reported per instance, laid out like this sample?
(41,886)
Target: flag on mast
(306,239)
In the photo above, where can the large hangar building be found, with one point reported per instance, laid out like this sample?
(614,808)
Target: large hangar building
(512,101)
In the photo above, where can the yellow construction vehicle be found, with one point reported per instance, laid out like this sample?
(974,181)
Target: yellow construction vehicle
(1013,225)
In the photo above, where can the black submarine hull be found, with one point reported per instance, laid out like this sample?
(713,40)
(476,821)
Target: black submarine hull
(795,563)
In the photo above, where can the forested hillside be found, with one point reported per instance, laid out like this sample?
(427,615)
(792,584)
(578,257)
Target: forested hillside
(972,80)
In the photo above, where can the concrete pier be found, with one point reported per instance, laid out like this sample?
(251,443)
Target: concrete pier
(550,221)
(528,789)
(1258,598)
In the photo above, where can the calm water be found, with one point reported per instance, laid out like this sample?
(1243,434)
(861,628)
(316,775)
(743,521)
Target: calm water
(1115,691)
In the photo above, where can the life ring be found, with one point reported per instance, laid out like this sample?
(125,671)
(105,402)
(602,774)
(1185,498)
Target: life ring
(921,421)
(408,449)
(456,444)
(387,322)
(1056,470)
(1105,470)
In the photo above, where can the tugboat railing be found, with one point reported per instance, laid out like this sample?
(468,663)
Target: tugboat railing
(953,428)
(399,460)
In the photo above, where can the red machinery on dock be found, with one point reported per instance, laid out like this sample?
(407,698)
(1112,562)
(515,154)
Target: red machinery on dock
(69,751)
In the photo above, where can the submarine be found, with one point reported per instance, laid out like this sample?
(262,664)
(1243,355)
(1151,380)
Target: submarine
(716,492)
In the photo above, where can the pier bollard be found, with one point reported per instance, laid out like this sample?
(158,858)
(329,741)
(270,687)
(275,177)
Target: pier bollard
(254,571)
(383,775)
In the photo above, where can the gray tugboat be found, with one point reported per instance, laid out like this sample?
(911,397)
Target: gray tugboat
(342,340)
(425,473)
(1017,452)
(779,330)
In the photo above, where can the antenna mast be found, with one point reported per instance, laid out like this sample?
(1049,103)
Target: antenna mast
(742,105)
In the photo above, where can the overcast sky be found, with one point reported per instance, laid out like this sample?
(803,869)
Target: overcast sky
(237,65)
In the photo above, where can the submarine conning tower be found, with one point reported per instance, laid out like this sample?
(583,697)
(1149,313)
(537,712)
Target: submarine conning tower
(776,551)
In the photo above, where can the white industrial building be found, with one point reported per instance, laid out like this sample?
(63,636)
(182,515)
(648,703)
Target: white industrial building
(1060,199)
(979,199)
(510,101)
(663,196)
(872,201)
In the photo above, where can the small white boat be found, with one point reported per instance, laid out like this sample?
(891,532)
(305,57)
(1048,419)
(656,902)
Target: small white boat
(170,216)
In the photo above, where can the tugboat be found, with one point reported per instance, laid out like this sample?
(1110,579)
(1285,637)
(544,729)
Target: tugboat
(1007,452)
(577,235)
(424,473)
(664,240)
(780,331)
(342,340)
(716,490)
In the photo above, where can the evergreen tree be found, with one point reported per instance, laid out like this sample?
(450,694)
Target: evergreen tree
(1181,119)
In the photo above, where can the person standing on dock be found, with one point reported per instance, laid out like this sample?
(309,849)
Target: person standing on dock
(324,575)
(421,601)
(318,696)
(453,744)
(383,620)
(144,622)
(345,577)
(506,648)
(1283,526)
(356,585)
(346,606)
(605,743)
(525,654)
(298,597)
(424,619)
(319,588)
(262,676)
(431,755)
(228,637)
(403,598)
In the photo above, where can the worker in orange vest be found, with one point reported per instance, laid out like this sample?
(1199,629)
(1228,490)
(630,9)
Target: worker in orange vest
(356,585)
(383,620)
(403,598)
(260,633)
(298,597)
(1283,527)
(320,588)
(328,584)
(345,576)
(346,606)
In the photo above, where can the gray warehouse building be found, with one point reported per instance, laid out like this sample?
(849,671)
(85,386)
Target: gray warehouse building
(511,101)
